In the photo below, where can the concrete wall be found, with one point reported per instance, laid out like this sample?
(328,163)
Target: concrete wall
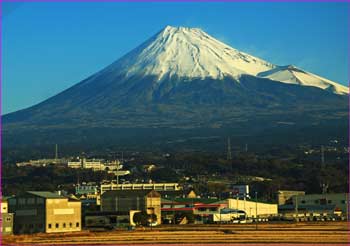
(253,209)
(63,215)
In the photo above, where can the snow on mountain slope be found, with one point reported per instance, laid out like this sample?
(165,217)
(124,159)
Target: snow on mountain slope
(187,52)
(293,75)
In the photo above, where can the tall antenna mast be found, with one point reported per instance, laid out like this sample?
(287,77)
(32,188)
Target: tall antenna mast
(229,154)
(56,152)
(322,157)
(324,184)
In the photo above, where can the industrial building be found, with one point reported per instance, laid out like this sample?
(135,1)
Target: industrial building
(201,209)
(153,186)
(87,189)
(252,208)
(316,206)
(41,211)
(127,200)
(284,196)
(42,162)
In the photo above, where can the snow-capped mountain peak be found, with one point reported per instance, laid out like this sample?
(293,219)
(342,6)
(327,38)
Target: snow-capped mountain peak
(293,75)
(188,52)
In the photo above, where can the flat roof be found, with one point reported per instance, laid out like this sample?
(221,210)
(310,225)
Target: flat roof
(131,193)
(46,194)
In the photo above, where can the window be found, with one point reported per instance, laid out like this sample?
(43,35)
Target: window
(21,201)
(343,201)
(31,226)
(31,201)
(303,201)
(40,200)
(12,201)
(40,226)
(57,225)
(70,224)
(317,201)
(49,226)
(77,224)
(329,201)
(4,208)
(64,225)
(8,219)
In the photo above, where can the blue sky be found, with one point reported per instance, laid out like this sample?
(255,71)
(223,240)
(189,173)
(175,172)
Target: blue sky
(48,47)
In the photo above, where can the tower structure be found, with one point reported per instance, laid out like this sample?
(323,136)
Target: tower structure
(324,182)
(56,152)
(229,154)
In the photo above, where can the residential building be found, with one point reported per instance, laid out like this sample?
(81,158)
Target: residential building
(96,165)
(42,211)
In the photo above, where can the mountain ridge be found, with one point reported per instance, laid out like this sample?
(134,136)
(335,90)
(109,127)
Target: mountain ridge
(131,93)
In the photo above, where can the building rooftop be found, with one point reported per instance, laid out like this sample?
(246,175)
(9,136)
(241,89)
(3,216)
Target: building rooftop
(193,200)
(46,194)
(5,198)
(290,207)
(131,193)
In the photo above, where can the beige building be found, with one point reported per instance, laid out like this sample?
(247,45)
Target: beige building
(252,208)
(284,196)
(4,205)
(41,211)
(127,200)
(93,164)
(6,225)
(153,186)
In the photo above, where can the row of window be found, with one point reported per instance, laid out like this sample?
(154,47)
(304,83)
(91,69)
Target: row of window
(63,225)
(323,201)
(30,226)
(23,201)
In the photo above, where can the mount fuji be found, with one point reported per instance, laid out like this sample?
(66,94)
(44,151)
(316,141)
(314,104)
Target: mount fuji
(182,78)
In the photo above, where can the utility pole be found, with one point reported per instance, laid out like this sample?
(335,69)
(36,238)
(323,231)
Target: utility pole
(324,184)
(296,207)
(56,152)
(347,206)
(322,157)
(256,210)
(229,154)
